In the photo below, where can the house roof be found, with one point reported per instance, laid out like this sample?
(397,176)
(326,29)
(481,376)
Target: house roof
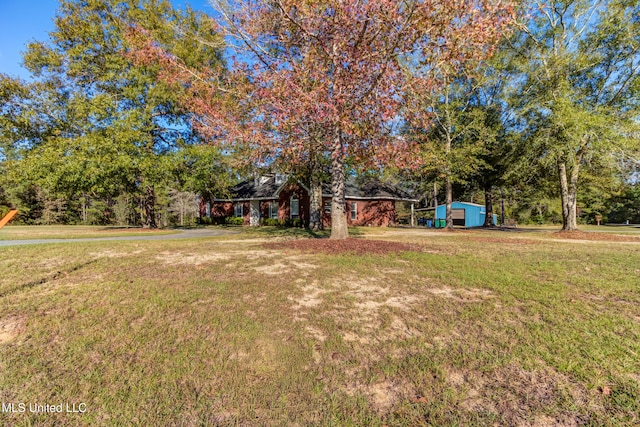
(268,188)
(256,189)
(251,189)
(369,190)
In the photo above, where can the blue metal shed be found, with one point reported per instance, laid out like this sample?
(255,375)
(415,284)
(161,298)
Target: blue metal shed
(465,214)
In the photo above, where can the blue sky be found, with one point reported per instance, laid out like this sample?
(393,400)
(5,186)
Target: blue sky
(22,21)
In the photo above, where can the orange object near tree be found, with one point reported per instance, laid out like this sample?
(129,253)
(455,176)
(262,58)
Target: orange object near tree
(8,217)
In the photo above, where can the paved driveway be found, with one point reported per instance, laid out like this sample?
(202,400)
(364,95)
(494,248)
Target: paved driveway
(183,234)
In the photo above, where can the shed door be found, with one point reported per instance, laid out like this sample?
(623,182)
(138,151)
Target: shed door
(458,217)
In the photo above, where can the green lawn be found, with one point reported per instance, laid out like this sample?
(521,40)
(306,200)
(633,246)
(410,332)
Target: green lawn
(617,229)
(468,328)
(28,232)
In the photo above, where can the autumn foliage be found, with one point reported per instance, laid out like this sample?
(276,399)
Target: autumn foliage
(328,77)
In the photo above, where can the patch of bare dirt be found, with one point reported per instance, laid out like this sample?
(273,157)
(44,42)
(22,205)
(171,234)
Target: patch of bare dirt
(351,245)
(382,396)
(362,288)
(605,237)
(115,254)
(274,269)
(462,294)
(248,259)
(174,258)
(10,328)
(316,333)
(312,296)
(51,263)
(514,241)
(516,394)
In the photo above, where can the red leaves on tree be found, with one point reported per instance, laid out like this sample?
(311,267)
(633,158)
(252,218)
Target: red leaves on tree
(299,70)
(330,76)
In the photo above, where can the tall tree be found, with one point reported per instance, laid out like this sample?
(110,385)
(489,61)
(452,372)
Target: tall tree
(450,145)
(495,129)
(340,65)
(579,68)
(465,140)
(107,122)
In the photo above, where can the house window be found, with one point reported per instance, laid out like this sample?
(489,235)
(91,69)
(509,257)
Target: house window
(354,211)
(280,178)
(273,210)
(238,210)
(295,207)
(208,210)
(327,206)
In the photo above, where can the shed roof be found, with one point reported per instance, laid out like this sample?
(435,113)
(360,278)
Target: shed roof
(458,205)
(470,204)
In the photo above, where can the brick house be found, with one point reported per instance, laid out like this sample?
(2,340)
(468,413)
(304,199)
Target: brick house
(280,197)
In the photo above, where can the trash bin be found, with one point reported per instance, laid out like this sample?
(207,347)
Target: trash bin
(443,223)
(429,223)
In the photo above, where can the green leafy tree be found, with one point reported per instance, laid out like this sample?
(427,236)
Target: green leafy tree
(202,169)
(105,124)
(578,68)
(466,142)
(625,206)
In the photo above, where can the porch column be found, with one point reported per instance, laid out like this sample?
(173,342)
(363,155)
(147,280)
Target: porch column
(254,213)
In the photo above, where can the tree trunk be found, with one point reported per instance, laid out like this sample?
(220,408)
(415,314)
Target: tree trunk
(449,198)
(149,208)
(84,209)
(488,201)
(568,190)
(435,195)
(339,229)
(315,204)
(315,193)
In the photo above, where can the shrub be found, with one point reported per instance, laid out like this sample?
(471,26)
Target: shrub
(269,222)
(282,222)
(537,219)
(234,220)
(215,220)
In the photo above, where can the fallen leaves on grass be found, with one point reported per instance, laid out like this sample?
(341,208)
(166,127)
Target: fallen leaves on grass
(357,246)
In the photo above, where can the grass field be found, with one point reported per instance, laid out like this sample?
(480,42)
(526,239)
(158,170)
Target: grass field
(463,328)
(26,232)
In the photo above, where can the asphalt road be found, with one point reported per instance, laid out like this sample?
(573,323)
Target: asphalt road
(183,234)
